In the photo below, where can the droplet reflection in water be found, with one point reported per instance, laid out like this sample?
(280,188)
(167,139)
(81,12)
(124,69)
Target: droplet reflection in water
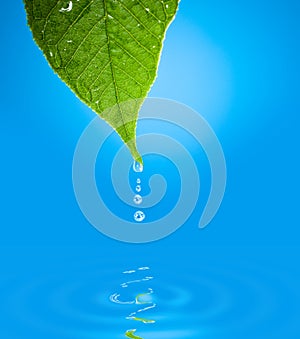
(139,216)
(144,300)
(130,334)
(225,299)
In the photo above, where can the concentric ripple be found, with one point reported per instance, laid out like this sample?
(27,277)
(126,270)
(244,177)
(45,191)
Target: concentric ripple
(175,303)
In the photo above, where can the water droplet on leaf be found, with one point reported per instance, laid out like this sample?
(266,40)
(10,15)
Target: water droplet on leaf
(68,9)
(138,167)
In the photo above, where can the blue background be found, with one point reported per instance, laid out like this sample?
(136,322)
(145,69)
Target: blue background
(237,64)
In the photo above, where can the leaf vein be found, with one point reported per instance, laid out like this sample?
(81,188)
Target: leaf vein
(74,22)
(130,55)
(98,76)
(82,42)
(112,70)
(89,63)
(134,38)
(148,11)
(47,18)
(129,76)
(139,22)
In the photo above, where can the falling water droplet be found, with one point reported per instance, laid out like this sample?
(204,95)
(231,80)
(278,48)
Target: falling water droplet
(137,199)
(139,216)
(138,167)
(138,188)
(138,181)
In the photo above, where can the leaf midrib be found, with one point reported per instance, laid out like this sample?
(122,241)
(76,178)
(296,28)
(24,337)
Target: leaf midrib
(112,68)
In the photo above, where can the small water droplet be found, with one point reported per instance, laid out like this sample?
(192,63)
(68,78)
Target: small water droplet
(68,9)
(147,9)
(138,188)
(137,199)
(139,216)
(54,52)
(109,16)
(138,167)
(167,6)
(69,41)
(138,181)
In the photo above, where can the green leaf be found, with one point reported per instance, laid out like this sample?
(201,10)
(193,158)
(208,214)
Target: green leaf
(106,51)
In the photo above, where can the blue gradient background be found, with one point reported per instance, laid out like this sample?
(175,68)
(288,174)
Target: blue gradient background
(237,63)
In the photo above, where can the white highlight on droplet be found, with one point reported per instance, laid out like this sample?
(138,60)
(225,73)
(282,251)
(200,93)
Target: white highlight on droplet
(137,167)
(139,216)
(68,9)
(137,199)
